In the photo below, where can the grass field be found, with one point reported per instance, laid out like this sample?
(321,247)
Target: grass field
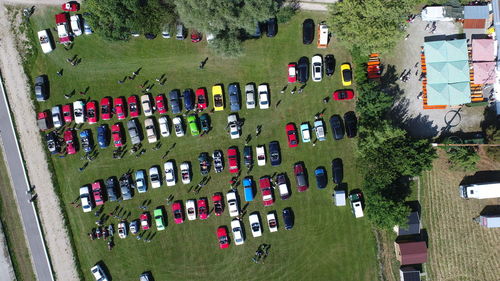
(327,243)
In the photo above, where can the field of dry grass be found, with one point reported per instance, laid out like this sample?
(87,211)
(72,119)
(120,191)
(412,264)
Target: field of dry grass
(459,249)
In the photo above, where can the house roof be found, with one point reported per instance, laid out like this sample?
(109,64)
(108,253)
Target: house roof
(484,72)
(483,50)
(413,225)
(476,12)
(411,252)
(474,23)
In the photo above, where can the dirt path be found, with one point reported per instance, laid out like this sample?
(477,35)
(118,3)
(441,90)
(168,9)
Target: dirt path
(60,251)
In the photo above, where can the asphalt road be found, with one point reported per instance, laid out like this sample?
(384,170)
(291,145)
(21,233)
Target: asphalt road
(42,266)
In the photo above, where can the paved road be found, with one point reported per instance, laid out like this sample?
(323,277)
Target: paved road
(43,269)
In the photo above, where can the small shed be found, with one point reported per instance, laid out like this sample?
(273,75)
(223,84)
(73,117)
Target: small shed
(411,252)
(413,225)
(339,197)
(476,12)
(409,273)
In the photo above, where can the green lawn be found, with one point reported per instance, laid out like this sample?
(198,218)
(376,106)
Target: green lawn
(327,243)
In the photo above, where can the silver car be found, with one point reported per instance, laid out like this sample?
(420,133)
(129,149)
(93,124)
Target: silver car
(40,88)
(56,116)
(250,95)
(133,131)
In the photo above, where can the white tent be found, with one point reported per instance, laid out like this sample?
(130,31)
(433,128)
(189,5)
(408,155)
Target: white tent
(435,13)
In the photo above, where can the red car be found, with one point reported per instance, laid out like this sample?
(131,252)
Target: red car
(133,109)
(116,133)
(201,98)
(145,219)
(195,37)
(160,104)
(178,214)
(120,108)
(292,72)
(222,237)
(291,134)
(106,108)
(69,139)
(300,177)
(97,193)
(343,95)
(232,155)
(218,205)
(71,6)
(91,110)
(67,113)
(203,208)
(265,188)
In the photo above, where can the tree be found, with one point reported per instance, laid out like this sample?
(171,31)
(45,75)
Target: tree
(462,157)
(370,26)
(116,19)
(385,213)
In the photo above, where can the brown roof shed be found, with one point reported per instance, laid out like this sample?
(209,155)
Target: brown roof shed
(474,23)
(411,252)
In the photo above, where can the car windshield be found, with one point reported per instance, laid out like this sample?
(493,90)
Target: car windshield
(255,226)
(218,100)
(78,112)
(223,239)
(191,211)
(177,214)
(91,113)
(347,75)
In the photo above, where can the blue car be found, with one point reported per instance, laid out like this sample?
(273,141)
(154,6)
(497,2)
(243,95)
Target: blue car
(86,140)
(247,185)
(140,181)
(174,101)
(188,99)
(102,136)
(320,174)
(234,97)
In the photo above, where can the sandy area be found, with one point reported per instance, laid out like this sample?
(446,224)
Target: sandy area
(60,251)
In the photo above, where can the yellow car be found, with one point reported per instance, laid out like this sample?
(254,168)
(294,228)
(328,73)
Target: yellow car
(346,74)
(218,98)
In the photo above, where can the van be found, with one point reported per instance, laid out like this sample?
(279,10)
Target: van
(179,35)
(356,205)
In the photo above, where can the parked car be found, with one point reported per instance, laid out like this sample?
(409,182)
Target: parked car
(292,72)
(41,89)
(202,208)
(204,163)
(76,26)
(145,219)
(320,174)
(133,131)
(122,230)
(98,273)
(44,120)
(106,108)
(160,104)
(283,186)
(272,222)
(159,221)
(166,32)
(134,227)
(267,193)
(69,139)
(272,27)
(234,127)
(85,199)
(232,203)
(188,99)
(250,95)
(170,176)
(232,157)
(193,125)
(91,110)
(274,153)
(154,177)
(201,98)
(140,181)
(218,161)
(79,112)
(356,204)
(205,123)
(67,113)
(260,151)
(303,70)
(329,65)
(291,134)
(337,170)
(164,129)
(178,127)
(346,74)
(238,235)
(319,128)
(300,177)
(86,140)
(178,213)
(45,41)
(180,33)
(174,101)
(102,136)
(111,189)
(71,6)
(218,203)
(218,98)
(255,225)
(185,172)
(125,182)
(305,132)
(150,130)
(191,209)
(307,31)
(288,218)
(263,96)
(351,124)
(147,105)
(248,189)
(56,117)
(133,109)
(234,97)
(116,133)
(53,144)
(337,127)
(222,237)
(317,68)
(97,193)
(343,95)
(87,30)
(63,28)
(247,156)
(119,108)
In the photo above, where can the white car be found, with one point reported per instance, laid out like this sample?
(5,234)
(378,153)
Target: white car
(45,43)
(191,209)
(260,152)
(305,132)
(320,130)
(234,128)
(56,117)
(169,173)
(250,95)
(150,130)
(316,68)
(85,198)
(76,26)
(232,203)
(255,225)
(237,232)
(263,96)
(79,112)
(146,105)
(122,230)
(98,273)
(179,130)
(272,222)
(164,129)
(185,173)
(154,177)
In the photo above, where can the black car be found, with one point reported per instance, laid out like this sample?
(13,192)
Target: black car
(303,70)
(150,36)
(103,136)
(204,163)
(288,218)
(272,27)
(174,101)
(125,184)
(308,31)
(274,153)
(320,174)
(111,189)
(337,127)
(329,65)
(41,88)
(188,99)
(247,156)
(337,170)
(351,124)
(53,143)
(218,159)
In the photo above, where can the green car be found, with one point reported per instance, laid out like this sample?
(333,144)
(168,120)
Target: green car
(158,214)
(193,125)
